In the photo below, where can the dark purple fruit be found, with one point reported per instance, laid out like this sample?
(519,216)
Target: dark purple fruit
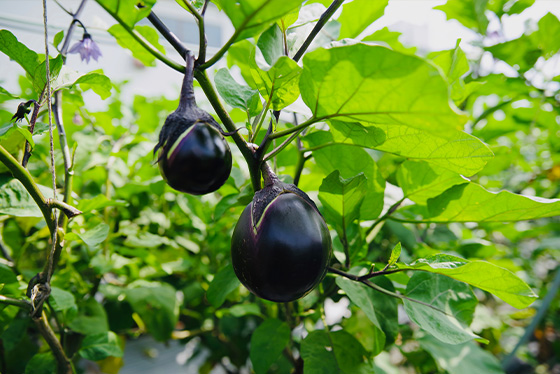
(281,245)
(193,155)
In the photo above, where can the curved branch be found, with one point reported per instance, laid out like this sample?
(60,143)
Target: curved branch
(201,33)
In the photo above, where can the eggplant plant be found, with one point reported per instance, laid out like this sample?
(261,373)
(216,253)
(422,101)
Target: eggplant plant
(347,203)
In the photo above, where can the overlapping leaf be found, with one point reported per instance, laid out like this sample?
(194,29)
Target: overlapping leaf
(359,14)
(374,84)
(484,275)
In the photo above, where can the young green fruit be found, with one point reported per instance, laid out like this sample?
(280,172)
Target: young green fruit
(281,245)
(193,155)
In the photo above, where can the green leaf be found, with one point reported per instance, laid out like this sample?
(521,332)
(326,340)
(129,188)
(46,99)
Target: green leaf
(470,202)
(389,38)
(100,346)
(447,310)
(484,275)
(127,10)
(41,363)
(465,358)
(455,65)
(125,40)
(351,161)
(222,285)
(98,203)
(459,151)
(5,95)
(6,274)
(16,201)
(395,254)
(469,12)
(271,44)
(521,53)
(359,14)
(61,300)
(96,235)
(39,76)
(379,308)
(157,305)
(334,353)
(501,7)
(235,94)
(374,84)
(544,37)
(25,57)
(250,17)
(279,84)
(58,38)
(97,82)
(92,318)
(267,343)
(342,199)
(421,181)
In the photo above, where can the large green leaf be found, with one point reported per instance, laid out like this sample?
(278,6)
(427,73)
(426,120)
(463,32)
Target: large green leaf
(359,14)
(92,318)
(421,181)
(271,44)
(484,275)
(455,65)
(156,304)
(447,308)
(267,343)
(381,309)
(465,358)
(125,40)
(100,346)
(470,202)
(128,10)
(390,38)
(41,363)
(342,199)
(251,17)
(16,201)
(6,274)
(96,235)
(25,57)
(459,152)
(351,161)
(469,12)
(279,84)
(224,283)
(334,353)
(374,84)
(235,94)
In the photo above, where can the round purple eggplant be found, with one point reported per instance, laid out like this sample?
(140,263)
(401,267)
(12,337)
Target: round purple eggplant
(194,156)
(281,245)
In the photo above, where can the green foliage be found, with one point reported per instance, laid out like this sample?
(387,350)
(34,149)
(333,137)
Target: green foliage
(437,176)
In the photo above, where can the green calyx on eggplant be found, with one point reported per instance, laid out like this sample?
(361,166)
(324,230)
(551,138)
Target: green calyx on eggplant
(281,245)
(194,156)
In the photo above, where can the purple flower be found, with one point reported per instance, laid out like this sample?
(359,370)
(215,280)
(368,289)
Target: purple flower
(86,48)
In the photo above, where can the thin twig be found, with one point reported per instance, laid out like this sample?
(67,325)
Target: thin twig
(168,34)
(24,304)
(322,21)
(201,33)
(36,106)
(387,214)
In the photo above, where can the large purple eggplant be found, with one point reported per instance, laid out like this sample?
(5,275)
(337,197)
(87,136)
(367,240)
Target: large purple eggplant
(193,155)
(281,245)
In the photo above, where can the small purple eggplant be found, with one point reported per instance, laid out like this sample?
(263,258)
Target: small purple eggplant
(194,156)
(281,245)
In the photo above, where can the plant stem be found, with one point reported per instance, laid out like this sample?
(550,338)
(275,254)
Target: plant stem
(387,214)
(322,21)
(23,304)
(246,151)
(294,129)
(146,44)
(36,106)
(201,33)
(64,364)
(381,289)
(168,34)
(75,16)
(231,40)
(22,174)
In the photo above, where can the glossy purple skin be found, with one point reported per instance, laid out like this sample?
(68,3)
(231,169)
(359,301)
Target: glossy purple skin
(288,255)
(200,163)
